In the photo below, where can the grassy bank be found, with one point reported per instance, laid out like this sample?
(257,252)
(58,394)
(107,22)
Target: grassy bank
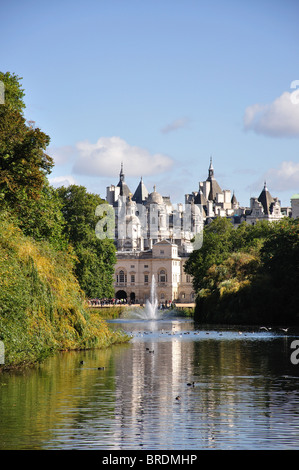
(42,307)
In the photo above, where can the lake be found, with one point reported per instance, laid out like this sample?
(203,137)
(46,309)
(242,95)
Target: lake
(175,386)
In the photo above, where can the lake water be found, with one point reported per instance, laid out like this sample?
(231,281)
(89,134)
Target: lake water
(245,393)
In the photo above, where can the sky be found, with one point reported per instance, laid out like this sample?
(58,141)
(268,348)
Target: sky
(161,86)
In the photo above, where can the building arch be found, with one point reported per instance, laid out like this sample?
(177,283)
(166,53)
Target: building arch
(121,295)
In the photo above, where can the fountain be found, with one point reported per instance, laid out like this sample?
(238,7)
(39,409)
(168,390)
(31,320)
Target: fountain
(151,306)
(151,310)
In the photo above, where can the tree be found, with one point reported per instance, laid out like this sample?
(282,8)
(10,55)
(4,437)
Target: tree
(96,258)
(24,189)
(13,93)
(23,161)
(217,244)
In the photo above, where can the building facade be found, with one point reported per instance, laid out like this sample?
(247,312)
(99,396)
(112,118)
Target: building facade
(295,206)
(134,271)
(154,238)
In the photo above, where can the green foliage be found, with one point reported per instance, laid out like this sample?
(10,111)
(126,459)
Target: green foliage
(42,308)
(96,258)
(50,257)
(23,161)
(24,189)
(249,274)
(13,92)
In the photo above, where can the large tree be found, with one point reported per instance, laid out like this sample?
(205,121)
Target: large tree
(23,160)
(96,258)
(24,165)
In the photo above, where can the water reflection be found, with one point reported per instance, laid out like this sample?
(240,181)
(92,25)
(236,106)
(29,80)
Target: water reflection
(245,393)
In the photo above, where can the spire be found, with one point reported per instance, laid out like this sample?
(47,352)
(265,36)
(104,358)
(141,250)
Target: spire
(121,174)
(214,186)
(211,169)
(124,190)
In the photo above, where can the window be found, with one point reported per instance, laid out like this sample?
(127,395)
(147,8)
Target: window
(146,265)
(146,279)
(133,278)
(122,277)
(161,252)
(162,276)
(132,265)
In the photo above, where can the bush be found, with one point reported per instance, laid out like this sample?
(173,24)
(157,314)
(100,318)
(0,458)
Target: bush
(42,307)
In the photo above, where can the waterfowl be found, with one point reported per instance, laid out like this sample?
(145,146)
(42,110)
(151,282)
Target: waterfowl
(101,368)
(190,384)
(178,397)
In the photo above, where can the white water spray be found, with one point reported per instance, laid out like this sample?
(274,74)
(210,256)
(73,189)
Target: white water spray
(151,310)
(151,307)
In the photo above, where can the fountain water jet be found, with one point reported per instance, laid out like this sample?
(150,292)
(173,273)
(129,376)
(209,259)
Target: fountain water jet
(150,311)
(151,307)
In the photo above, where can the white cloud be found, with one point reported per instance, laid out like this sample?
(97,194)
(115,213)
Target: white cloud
(105,156)
(175,125)
(58,181)
(277,119)
(61,155)
(286,177)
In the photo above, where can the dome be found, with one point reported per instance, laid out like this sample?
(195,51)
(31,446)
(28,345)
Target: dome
(132,219)
(154,198)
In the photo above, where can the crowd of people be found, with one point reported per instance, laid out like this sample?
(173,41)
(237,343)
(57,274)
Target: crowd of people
(106,302)
(111,302)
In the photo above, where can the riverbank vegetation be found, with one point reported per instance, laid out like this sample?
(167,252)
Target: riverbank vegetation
(50,257)
(247,275)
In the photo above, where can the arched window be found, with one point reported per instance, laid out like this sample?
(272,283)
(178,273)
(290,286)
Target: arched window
(162,275)
(121,277)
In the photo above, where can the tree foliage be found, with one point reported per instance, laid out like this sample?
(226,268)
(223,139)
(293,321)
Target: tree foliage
(96,258)
(23,161)
(248,274)
(50,258)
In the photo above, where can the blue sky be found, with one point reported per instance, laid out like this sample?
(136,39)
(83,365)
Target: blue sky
(162,86)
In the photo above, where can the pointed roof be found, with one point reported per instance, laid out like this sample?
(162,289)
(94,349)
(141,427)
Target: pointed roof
(200,198)
(124,189)
(141,193)
(266,199)
(214,186)
(234,199)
